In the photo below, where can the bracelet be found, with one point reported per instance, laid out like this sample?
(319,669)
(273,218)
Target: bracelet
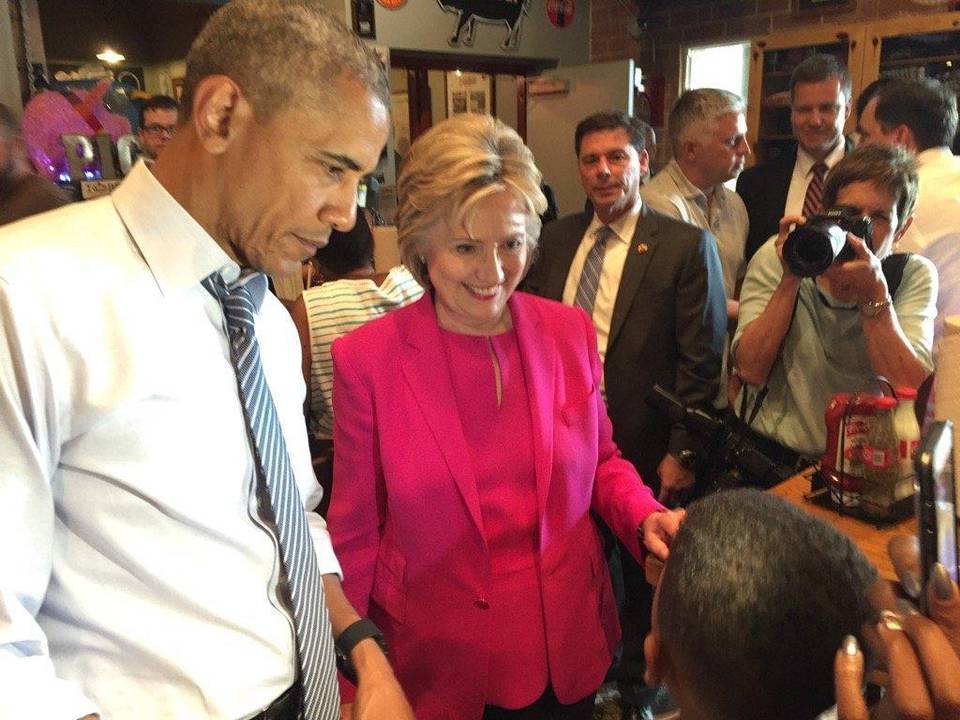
(872,308)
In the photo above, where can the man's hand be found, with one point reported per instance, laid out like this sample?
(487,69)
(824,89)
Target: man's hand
(859,280)
(676,481)
(659,529)
(379,696)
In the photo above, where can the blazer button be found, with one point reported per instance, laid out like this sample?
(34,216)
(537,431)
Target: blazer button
(482,604)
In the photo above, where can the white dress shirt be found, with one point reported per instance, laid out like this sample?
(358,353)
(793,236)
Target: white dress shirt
(935,232)
(614,258)
(803,173)
(135,578)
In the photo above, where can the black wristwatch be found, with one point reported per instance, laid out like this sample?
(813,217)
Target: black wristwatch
(360,630)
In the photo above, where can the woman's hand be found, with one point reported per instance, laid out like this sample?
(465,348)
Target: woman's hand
(859,280)
(922,656)
(786,226)
(658,531)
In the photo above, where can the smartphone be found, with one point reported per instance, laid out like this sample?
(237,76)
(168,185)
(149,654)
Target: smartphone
(936,501)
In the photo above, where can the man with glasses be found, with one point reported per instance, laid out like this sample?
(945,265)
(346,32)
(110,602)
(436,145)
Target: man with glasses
(158,122)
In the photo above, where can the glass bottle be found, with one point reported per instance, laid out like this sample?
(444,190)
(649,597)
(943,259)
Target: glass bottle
(908,440)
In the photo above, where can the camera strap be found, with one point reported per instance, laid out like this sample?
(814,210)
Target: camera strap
(892,266)
(762,392)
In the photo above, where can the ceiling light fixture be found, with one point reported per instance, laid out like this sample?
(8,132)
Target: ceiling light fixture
(110,56)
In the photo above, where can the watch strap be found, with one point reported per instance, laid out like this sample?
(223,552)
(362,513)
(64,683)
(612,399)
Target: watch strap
(356,632)
(360,630)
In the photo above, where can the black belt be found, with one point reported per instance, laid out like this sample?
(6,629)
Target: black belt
(285,707)
(780,454)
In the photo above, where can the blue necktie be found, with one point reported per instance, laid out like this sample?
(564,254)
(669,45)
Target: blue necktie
(592,268)
(275,479)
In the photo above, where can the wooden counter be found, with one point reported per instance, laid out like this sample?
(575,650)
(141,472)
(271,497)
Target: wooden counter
(872,540)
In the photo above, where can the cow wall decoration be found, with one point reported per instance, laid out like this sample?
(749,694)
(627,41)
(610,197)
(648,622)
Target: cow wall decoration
(494,12)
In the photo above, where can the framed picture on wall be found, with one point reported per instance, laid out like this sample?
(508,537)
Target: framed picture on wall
(469,92)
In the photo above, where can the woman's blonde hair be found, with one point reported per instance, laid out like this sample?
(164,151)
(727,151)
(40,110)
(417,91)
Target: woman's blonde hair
(453,166)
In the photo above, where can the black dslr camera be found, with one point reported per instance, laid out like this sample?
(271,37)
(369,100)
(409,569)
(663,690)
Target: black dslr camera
(814,246)
(732,459)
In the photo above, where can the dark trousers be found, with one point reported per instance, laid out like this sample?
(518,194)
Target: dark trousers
(634,625)
(546,708)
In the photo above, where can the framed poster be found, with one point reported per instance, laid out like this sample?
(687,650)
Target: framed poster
(469,92)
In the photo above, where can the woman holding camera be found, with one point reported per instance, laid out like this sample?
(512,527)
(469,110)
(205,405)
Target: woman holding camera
(805,339)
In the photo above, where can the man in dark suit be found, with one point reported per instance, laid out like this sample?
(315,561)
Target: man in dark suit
(819,106)
(654,288)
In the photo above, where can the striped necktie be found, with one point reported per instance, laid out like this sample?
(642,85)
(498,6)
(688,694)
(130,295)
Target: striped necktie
(275,482)
(592,267)
(812,200)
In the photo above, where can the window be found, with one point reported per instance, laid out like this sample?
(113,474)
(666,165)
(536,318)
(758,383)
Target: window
(718,66)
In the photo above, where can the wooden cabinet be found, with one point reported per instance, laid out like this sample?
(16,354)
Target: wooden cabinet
(772,61)
(910,47)
(915,47)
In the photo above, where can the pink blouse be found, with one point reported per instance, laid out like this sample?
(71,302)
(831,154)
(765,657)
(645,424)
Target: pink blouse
(499,439)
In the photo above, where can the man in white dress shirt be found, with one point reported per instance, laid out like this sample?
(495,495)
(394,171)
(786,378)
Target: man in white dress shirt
(139,577)
(921,115)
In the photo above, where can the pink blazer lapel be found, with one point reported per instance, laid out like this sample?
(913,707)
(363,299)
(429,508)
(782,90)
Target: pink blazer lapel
(426,372)
(539,357)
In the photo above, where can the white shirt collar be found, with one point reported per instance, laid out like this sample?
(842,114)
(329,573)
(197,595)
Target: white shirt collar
(623,227)
(805,161)
(933,156)
(179,252)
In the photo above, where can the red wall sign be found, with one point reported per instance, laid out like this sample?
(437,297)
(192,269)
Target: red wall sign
(560,12)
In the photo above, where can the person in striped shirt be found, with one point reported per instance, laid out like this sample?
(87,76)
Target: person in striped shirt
(352,293)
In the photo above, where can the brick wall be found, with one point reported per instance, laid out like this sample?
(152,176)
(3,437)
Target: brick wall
(672,24)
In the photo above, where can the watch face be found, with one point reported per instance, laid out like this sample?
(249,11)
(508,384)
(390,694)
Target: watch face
(872,309)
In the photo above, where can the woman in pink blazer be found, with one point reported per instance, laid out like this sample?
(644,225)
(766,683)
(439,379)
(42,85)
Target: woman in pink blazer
(472,444)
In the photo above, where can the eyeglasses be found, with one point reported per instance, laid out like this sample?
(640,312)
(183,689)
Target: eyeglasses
(160,129)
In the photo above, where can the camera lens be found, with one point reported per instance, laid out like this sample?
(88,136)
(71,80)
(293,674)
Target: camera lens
(811,248)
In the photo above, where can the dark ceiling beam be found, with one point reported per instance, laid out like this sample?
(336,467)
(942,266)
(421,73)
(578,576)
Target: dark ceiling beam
(147,31)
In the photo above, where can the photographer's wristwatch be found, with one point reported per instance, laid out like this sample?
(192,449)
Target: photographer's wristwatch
(872,308)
